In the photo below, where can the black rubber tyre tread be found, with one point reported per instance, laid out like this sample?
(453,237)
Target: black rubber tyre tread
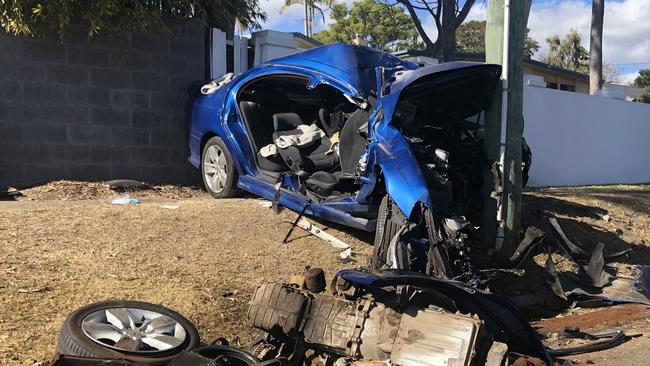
(72,340)
(230,189)
(386,230)
(212,352)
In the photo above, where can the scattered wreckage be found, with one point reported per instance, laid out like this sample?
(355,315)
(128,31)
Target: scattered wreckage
(360,318)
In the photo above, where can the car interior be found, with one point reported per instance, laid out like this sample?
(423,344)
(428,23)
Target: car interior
(316,134)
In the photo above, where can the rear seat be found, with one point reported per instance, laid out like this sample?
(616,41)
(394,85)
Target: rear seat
(311,158)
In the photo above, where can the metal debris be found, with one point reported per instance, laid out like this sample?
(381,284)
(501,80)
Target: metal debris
(125,184)
(331,240)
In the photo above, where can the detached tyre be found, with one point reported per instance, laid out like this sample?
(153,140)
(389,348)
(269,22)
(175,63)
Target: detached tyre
(135,331)
(218,169)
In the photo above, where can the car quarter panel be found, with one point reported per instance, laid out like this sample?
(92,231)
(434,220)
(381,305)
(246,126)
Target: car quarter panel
(205,118)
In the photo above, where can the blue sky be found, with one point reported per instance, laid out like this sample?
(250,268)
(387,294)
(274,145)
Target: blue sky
(626,43)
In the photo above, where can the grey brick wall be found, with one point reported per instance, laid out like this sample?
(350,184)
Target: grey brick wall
(97,109)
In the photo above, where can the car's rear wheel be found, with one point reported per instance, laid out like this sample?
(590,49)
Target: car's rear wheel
(218,170)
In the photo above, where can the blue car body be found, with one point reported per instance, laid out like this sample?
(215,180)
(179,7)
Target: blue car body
(358,73)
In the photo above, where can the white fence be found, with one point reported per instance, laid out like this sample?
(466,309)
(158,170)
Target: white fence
(578,139)
(266,45)
(237,48)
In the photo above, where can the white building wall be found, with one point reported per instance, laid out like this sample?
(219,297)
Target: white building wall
(578,139)
(270,45)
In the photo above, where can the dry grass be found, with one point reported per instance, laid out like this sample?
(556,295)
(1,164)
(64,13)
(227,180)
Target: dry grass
(202,259)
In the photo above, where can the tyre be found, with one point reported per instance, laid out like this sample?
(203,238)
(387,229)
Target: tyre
(218,170)
(135,331)
(228,356)
(387,227)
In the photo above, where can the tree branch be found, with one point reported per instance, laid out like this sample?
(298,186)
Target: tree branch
(464,11)
(418,24)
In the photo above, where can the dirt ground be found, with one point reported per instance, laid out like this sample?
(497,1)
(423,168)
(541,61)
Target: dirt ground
(63,245)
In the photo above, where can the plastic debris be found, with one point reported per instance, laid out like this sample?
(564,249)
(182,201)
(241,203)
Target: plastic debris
(170,206)
(123,200)
(264,203)
(346,253)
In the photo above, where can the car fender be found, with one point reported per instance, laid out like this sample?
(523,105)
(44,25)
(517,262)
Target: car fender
(402,175)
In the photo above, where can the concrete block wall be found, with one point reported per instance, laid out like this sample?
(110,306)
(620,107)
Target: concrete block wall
(97,109)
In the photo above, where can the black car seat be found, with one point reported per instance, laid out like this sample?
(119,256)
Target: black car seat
(311,158)
(330,122)
(258,118)
(352,144)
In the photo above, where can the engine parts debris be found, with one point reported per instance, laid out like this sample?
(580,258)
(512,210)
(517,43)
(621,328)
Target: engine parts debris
(397,316)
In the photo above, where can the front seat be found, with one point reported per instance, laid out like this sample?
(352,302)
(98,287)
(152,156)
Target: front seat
(352,144)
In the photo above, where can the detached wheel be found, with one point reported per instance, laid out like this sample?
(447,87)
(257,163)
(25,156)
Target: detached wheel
(135,331)
(218,170)
(386,230)
(227,356)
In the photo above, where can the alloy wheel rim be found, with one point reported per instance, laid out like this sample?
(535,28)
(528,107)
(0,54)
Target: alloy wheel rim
(215,169)
(133,330)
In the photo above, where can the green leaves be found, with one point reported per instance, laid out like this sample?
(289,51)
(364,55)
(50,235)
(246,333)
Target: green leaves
(568,53)
(470,38)
(121,18)
(643,80)
(382,26)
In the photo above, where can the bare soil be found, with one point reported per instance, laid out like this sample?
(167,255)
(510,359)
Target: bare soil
(63,245)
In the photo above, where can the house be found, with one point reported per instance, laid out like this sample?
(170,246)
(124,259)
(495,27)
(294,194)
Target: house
(554,77)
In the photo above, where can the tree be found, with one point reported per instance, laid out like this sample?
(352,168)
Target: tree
(568,53)
(310,6)
(470,37)
(383,27)
(448,16)
(611,74)
(123,18)
(643,80)
(596,46)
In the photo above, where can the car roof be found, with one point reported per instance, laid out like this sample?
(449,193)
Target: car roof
(352,64)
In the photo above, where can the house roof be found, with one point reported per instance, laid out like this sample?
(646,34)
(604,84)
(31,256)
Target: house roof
(480,56)
(308,40)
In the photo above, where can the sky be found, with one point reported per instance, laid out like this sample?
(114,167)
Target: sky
(626,31)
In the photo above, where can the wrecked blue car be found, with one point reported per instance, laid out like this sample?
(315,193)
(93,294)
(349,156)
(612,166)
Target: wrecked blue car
(357,137)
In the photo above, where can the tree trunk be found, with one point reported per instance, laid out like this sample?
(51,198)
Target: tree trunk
(596,46)
(447,35)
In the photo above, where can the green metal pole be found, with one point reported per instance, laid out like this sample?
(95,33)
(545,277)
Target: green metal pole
(502,213)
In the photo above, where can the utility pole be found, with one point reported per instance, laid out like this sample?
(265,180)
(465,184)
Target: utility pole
(504,45)
(596,46)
